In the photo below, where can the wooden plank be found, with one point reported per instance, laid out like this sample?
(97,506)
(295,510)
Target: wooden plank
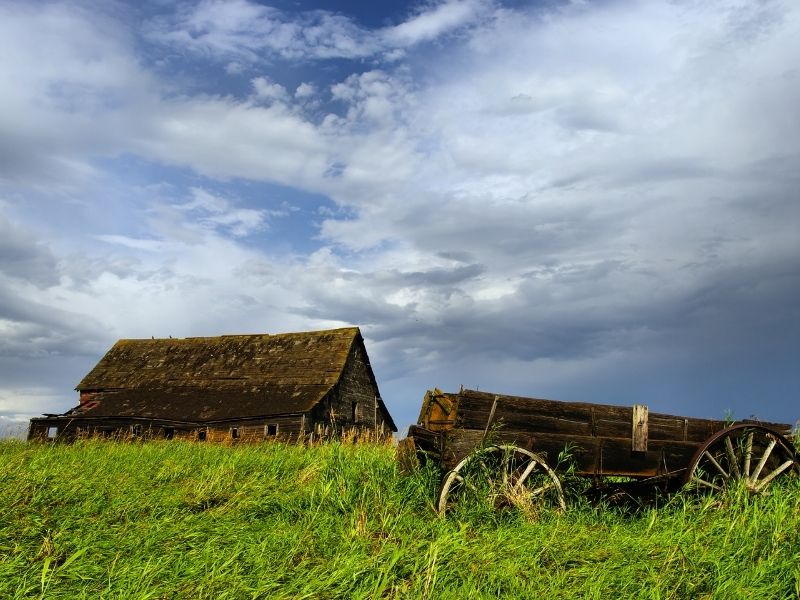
(665,427)
(537,415)
(602,420)
(425,440)
(546,415)
(639,423)
(590,455)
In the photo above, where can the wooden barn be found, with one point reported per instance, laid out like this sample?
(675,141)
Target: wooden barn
(231,387)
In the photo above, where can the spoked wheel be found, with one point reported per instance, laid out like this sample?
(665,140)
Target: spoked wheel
(502,476)
(749,454)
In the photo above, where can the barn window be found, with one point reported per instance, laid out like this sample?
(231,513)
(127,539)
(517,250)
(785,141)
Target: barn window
(271,430)
(52,432)
(201,435)
(234,433)
(169,433)
(136,430)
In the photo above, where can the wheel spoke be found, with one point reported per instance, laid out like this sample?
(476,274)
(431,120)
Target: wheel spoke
(506,475)
(541,490)
(763,461)
(772,475)
(510,467)
(528,470)
(713,486)
(716,464)
(497,475)
(753,454)
(464,483)
(748,452)
(732,458)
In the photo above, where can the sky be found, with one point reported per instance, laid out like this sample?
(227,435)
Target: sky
(585,200)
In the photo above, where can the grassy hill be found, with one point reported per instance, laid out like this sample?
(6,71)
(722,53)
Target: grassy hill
(185,520)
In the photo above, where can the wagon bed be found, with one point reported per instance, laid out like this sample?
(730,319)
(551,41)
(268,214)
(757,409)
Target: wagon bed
(602,440)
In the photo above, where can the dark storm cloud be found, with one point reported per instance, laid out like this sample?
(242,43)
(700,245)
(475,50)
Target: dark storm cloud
(664,169)
(439,277)
(23,257)
(34,329)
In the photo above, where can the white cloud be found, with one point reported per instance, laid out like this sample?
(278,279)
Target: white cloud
(244,31)
(269,90)
(219,213)
(305,90)
(439,19)
(221,137)
(235,68)
(248,32)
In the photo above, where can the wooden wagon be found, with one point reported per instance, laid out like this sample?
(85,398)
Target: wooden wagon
(515,448)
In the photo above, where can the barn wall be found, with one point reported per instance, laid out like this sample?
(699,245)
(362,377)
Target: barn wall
(353,403)
(286,428)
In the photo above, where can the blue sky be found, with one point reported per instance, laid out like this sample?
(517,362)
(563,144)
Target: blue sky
(576,200)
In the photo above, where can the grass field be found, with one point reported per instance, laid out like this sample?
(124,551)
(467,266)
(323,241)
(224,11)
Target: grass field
(185,520)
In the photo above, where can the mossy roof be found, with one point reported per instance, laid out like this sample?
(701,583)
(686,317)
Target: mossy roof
(229,376)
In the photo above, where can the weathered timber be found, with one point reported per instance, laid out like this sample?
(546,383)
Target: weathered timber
(272,427)
(426,441)
(590,455)
(580,418)
(471,409)
(639,441)
(438,411)
(490,420)
(599,439)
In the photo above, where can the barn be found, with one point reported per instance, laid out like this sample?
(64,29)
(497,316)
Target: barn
(230,387)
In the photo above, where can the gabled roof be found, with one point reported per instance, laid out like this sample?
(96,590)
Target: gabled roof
(217,378)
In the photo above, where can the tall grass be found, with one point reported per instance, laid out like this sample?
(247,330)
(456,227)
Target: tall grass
(184,520)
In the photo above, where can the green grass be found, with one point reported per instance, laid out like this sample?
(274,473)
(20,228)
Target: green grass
(184,520)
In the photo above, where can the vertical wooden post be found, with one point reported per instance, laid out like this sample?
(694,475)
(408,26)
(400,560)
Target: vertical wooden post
(491,418)
(639,433)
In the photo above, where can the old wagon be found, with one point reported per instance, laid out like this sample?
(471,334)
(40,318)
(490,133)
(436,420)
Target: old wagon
(514,448)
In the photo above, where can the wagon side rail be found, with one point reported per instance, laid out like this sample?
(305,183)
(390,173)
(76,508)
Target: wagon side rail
(603,440)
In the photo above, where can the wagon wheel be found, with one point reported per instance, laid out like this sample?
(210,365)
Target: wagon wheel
(502,476)
(751,454)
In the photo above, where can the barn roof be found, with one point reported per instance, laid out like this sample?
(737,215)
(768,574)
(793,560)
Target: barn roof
(214,378)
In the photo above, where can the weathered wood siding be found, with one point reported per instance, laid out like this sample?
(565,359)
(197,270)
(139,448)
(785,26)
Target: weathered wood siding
(598,438)
(354,402)
(283,427)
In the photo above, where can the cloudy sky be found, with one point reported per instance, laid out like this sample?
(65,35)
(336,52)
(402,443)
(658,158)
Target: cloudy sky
(590,200)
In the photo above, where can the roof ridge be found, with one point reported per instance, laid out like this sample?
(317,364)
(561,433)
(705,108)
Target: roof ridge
(240,335)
